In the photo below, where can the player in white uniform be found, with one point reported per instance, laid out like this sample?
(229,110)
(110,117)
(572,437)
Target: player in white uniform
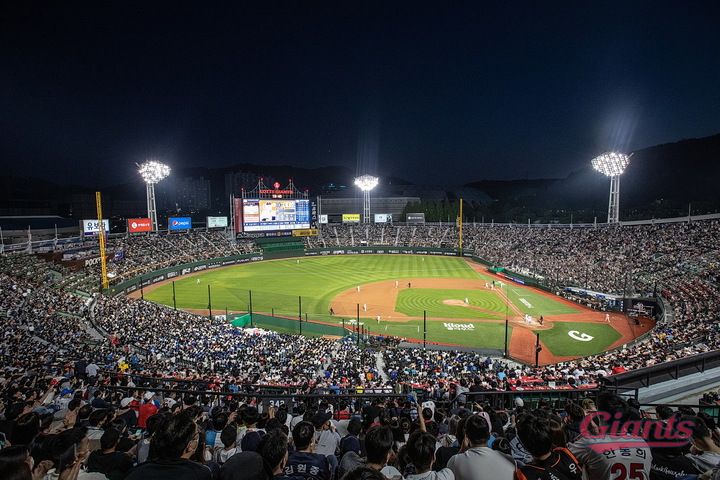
(618,457)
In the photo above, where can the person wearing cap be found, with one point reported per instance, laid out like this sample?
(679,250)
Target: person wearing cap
(147,409)
(327,439)
(304,461)
(246,466)
(127,413)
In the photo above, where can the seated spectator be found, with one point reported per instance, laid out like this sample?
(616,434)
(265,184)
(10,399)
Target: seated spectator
(273,449)
(304,462)
(379,447)
(172,445)
(228,437)
(113,464)
(327,439)
(548,460)
(703,451)
(68,452)
(420,451)
(246,466)
(602,465)
(479,461)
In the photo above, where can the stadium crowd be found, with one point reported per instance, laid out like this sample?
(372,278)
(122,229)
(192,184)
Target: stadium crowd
(51,338)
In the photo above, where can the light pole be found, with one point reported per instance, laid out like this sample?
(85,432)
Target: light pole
(612,164)
(366,183)
(152,172)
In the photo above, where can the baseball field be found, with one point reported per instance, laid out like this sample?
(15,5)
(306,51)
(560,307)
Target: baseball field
(463,303)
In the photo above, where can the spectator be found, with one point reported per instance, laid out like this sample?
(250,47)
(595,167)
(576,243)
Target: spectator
(548,460)
(304,462)
(174,442)
(478,461)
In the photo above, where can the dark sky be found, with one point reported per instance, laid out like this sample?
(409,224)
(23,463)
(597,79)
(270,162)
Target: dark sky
(429,91)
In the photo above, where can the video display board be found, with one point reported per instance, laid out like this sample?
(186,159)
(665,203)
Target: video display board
(92,227)
(217,222)
(263,215)
(139,225)
(180,223)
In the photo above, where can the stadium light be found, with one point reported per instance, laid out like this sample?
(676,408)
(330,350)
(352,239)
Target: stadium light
(612,164)
(366,183)
(152,172)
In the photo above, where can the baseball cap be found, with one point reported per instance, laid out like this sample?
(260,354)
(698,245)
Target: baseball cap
(319,419)
(126,401)
(66,391)
(245,466)
(148,395)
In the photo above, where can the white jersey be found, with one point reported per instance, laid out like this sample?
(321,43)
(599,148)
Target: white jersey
(617,458)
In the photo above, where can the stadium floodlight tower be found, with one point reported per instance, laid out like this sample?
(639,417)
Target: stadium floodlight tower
(366,183)
(612,164)
(152,172)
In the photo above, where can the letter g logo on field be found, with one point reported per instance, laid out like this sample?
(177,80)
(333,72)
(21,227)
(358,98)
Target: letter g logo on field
(583,337)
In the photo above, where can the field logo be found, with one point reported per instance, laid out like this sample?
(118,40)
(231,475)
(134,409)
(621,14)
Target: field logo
(673,432)
(526,303)
(459,326)
(583,337)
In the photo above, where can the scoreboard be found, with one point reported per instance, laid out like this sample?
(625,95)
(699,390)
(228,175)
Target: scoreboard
(270,215)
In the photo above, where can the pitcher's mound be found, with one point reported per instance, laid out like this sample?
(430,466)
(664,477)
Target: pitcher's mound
(455,302)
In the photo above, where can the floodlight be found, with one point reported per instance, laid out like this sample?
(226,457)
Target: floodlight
(612,164)
(366,183)
(152,172)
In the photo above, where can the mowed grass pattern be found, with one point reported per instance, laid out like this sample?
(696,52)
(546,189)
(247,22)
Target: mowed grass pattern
(276,285)
(412,302)
(482,335)
(560,343)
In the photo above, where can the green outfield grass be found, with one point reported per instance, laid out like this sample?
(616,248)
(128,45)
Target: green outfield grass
(277,286)
(560,343)
(479,335)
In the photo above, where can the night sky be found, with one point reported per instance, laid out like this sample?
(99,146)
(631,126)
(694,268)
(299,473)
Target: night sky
(433,92)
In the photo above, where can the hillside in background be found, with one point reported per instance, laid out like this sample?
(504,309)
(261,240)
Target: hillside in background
(661,181)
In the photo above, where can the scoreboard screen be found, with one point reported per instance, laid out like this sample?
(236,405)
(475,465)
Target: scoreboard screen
(268,215)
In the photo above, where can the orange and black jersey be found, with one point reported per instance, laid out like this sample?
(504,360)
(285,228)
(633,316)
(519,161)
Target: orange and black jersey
(560,465)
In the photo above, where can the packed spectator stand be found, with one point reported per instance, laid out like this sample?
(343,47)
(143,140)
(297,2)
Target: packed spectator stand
(51,333)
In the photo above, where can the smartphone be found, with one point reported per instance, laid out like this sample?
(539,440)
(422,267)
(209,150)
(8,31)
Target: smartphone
(139,431)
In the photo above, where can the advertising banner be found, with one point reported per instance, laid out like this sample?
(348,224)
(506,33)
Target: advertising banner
(351,218)
(217,222)
(311,232)
(323,219)
(91,227)
(180,223)
(383,217)
(415,218)
(139,225)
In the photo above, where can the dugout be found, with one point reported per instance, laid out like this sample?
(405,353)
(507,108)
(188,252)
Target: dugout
(281,247)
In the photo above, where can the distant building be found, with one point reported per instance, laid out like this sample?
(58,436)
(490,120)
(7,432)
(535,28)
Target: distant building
(194,194)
